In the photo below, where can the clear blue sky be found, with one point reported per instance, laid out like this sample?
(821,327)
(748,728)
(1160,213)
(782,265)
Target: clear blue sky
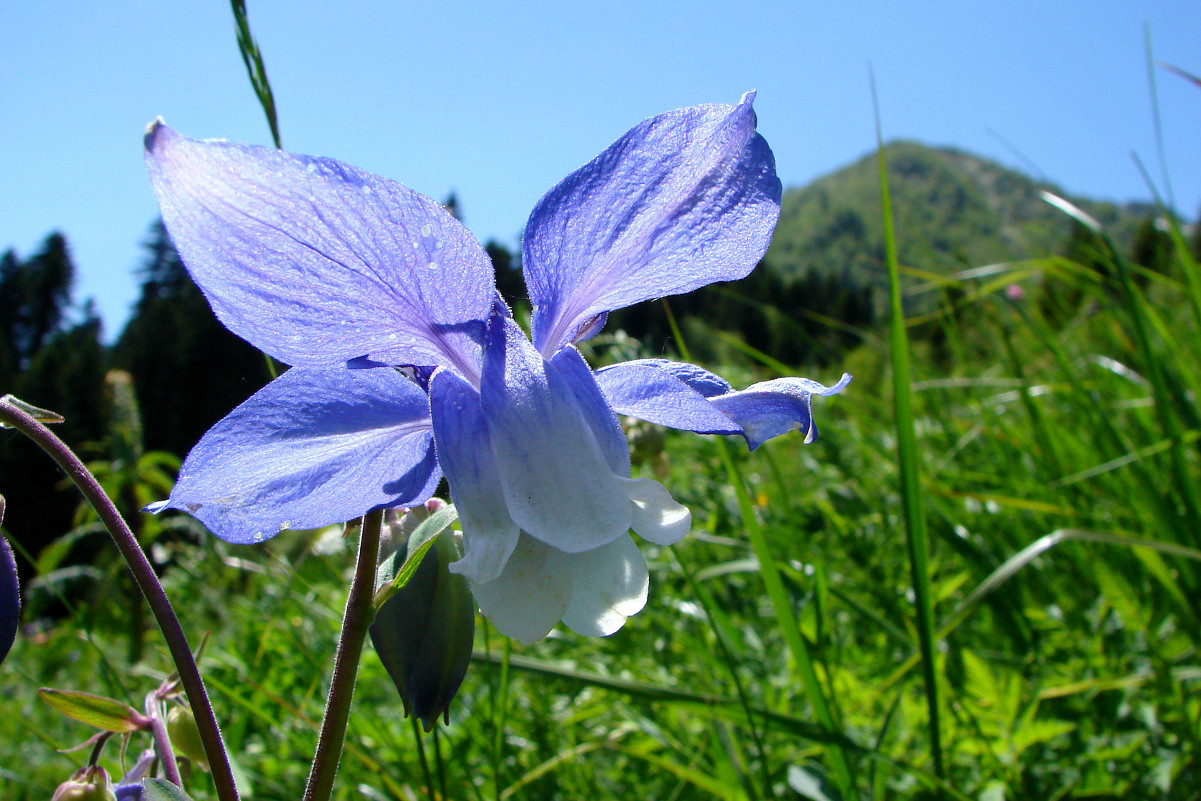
(498,101)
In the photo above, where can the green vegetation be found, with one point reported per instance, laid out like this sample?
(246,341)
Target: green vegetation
(1054,408)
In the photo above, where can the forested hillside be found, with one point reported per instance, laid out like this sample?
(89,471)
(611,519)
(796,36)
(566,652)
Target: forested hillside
(953,210)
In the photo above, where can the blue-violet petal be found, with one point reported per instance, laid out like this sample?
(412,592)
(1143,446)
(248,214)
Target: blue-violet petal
(317,262)
(775,407)
(314,447)
(660,392)
(687,397)
(680,201)
(595,408)
(465,453)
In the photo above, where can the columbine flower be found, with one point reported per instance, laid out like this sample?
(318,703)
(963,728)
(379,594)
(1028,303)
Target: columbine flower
(406,365)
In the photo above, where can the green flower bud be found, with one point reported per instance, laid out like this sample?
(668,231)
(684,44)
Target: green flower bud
(86,784)
(185,737)
(423,633)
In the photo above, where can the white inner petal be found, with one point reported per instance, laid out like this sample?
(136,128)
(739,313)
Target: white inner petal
(610,583)
(530,595)
(658,518)
(485,552)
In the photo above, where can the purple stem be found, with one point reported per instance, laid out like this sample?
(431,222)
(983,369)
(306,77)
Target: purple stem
(360,609)
(162,741)
(148,583)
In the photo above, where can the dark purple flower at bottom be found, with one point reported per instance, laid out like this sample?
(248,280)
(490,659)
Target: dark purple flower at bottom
(10,595)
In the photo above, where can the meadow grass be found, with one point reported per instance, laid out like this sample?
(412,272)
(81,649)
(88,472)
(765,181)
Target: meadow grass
(1030,632)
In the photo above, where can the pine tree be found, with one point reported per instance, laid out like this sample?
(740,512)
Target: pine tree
(51,364)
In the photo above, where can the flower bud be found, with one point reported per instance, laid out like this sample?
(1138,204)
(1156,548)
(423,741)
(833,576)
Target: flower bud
(423,633)
(185,737)
(86,784)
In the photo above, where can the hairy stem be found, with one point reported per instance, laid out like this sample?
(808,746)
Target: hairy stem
(360,608)
(148,583)
(162,741)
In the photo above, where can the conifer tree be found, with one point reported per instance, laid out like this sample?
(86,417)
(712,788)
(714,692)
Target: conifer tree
(51,363)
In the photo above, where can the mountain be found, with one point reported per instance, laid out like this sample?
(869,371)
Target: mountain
(951,210)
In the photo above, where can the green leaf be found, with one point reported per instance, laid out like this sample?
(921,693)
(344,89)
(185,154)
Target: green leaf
(39,414)
(392,576)
(53,554)
(95,710)
(1040,731)
(979,682)
(162,790)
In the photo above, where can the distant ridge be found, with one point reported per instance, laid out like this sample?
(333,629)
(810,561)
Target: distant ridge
(952,210)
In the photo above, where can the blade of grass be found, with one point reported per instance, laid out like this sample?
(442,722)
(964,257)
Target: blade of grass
(1010,567)
(716,705)
(568,756)
(717,624)
(695,777)
(916,536)
(500,712)
(1154,369)
(256,70)
(426,775)
(252,57)
(1155,116)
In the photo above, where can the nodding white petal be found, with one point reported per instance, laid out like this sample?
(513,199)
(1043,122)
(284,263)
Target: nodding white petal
(658,517)
(530,595)
(609,584)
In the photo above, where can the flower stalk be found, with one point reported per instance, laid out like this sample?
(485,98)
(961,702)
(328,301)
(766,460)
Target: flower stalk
(162,741)
(13,415)
(360,608)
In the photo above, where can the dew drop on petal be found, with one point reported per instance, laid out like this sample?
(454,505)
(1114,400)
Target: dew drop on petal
(426,230)
(433,265)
